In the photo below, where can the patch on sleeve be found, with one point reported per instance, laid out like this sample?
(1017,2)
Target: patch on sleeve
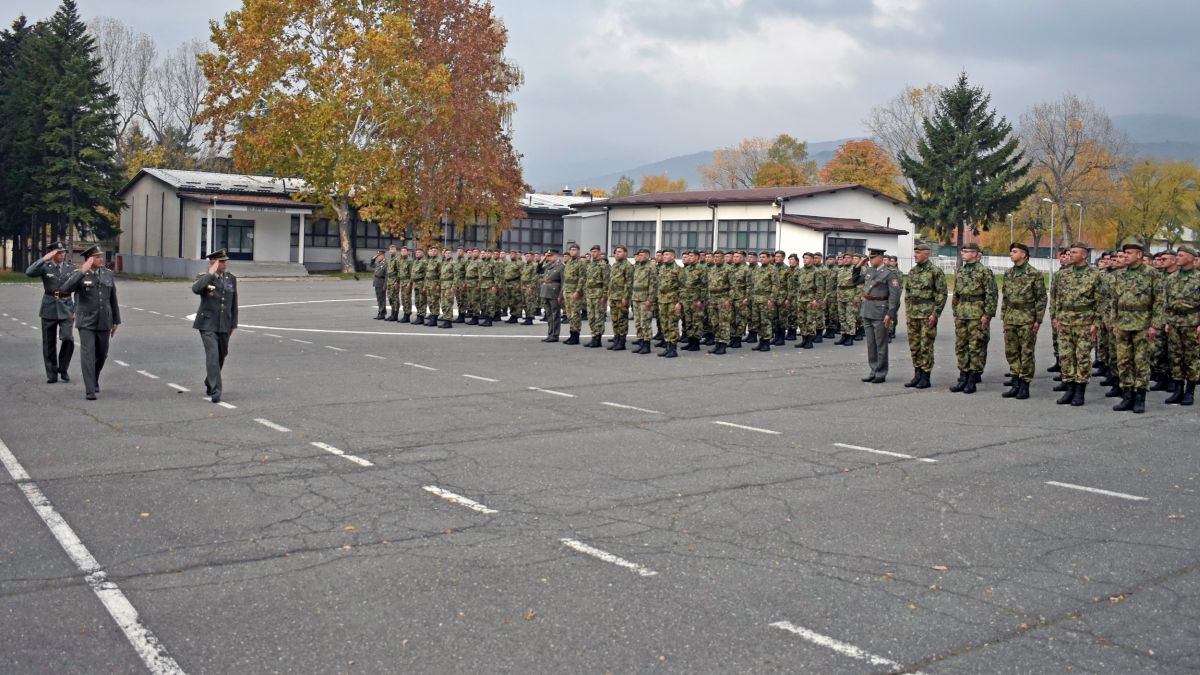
(895,282)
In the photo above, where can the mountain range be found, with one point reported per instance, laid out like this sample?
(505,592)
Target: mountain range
(1157,136)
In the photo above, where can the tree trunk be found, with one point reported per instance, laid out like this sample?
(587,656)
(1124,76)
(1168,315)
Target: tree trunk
(962,227)
(341,206)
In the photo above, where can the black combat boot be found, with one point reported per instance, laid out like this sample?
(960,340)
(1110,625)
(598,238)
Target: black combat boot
(1023,392)
(618,344)
(778,341)
(1013,387)
(380,315)
(431,321)
(498,315)
(446,324)
(752,337)
(528,321)
(461,318)
(512,318)
(719,349)
(1080,388)
(472,321)
(830,332)
(1114,391)
(816,339)
(764,345)
(693,345)
(791,334)
(595,342)
(485,322)
(1177,396)
(1098,368)
(1056,368)
(1160,382)
(418,320)
(736,342)
(644,349)
(1139,401)
(658,336)
(963,376)
(573,340)
(404,319)
(392,316)
(668,347)
(924,383)
(916,379)
(709,340)
(869,378)
(64,359)
(1069,395)
(972,380)
(860,333)
(1110,381)
(1126,401)
(1189,392)
(1062,386)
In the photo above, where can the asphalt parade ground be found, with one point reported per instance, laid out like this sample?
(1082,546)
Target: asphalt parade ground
(373,497)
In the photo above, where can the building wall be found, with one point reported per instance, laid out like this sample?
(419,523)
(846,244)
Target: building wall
(865,207)
(272,230)
(150,223)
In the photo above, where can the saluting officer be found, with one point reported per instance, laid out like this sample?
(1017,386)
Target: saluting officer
(56,312)
(216,319)
(880,302)
(97,315)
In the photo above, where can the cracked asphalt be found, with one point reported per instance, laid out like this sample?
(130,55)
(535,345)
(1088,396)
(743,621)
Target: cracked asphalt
(246,548)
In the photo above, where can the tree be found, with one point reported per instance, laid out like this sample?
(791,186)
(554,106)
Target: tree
(127,63)
(397,108)
(1074,151)
(899,124)
(19,156)
(968,169)
(623,187)
(863,162)
(1161,199)
(661,183)
(735,167)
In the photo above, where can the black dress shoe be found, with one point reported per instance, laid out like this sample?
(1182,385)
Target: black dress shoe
(51,380)
(216,398)
(551,338)
(64,377)
(879,379)
(869,378)
(90,397)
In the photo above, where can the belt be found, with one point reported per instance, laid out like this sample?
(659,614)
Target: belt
(971,298)
(1078,308)
(1022,305)
(875,297)
(58,294)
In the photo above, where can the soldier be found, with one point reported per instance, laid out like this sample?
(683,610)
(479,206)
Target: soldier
(56,312)
(822,282)
(693,300)
(720,303)
(751,314)
(551,293)
(530,288)
(670,306)
(1064,258)
(216,319)
(1024,305)
(791,313)
(402,274)
(1160,366)
(762,293)
(489,289)
(644,296)
(515,301)
(448,273)
(1077,304)
(739,296)
(1135,314)
(714,264)
(832,264)
(97,315)
(398,269)
(810,296)
(881,301)
(1181,302)
(433,285)
(572,282)
(848,283)
(391,289)
(596,285)
(781,297)
(974,305)
(462,293)
(924,301)
(1103,358)
(620,290)
(894,263)
(474,290)
(417,277)
(379,270)
(1116,263)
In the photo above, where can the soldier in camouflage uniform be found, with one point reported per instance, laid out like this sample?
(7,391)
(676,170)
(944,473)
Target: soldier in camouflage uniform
(720,303)
(713,264)
(420,296)
(974,305)
(1103,356)
(462,292)
(448,273)
(670,305)
(1022,310)
(1116,263)
(433,285)
(1063,262)
(1181,302)
(810,292)
(595,284)
(1076,308)
(471,283)
(643,296)
(739,294)
(531,283)
(390,288)
(573,269)
(1136,315)
(762,298)
(848,282)
(894,263)
(789,312)
(514,302)
(924,300)
(693,300)
(400,285)
(781,297)
(831,287)
(620,291)
(488,289)
(1160,365)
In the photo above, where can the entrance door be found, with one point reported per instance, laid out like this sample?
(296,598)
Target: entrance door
(235,236)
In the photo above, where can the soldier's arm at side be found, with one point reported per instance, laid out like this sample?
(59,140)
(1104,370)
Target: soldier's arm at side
(233,309)
(991,293)
(116,309)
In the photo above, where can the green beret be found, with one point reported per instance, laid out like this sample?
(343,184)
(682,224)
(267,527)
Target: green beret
(1017,244)
(1188,249)
(971,246)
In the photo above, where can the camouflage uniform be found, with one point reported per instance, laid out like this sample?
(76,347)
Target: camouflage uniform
(433,287)
(487,290)
(670,289)
(448,273)
(693,302)
(420,295)
(644,290)
(925,296)
(462,289)
(573,271)
(1181,302)
(514,299)
(831,304)
(720,304)
(1024,304)
(400,271)
(1105,347)
(474,294)
(739,285)
(783,301)
(1076,304)
(974,298)
(1135,307)
(596,275)
(810,294)
(848,296)
(762,298)
(531,284)
(620,287)
(790,314)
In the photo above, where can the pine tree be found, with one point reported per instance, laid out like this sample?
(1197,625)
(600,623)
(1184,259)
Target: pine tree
(969,168)
(79,173)
(18,132)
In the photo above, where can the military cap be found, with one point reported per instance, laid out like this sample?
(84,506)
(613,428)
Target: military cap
(551,250)
(92,250)
(1188,249)
(380,252)
(1164,253)
(922,246)
(668,250)
(1017,244)
(643,250)
(718,252)
(571,245)
(595,247)
(57,246)
(875,251)
(1132,243)
(766,253)
(971,246)
(1080,244)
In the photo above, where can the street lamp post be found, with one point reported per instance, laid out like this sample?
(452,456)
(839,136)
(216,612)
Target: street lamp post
(1010,229)
(1079,225)
(1053,206)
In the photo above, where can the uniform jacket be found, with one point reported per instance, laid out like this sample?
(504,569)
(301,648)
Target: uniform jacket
(620,281)
(53,308)
(552,279)
(925,294)
(1024,300)
(1078,295)
(1181,298)
(380,273)
(645,281)
(218,312)
(95,292)
(670,282)
(880,282)
(974,292)
(1136,303)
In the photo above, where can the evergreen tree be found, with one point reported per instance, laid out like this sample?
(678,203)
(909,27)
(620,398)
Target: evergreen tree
(968,171)
(18,131)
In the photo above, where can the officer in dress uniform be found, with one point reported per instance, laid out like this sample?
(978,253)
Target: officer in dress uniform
(880,302)
(97,315)
(56,312)
(216,319)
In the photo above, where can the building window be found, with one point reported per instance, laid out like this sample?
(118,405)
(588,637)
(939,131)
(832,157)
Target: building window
(687,234)
(633,234)
(531,234)
(839,245)
(320,233)
(746,235)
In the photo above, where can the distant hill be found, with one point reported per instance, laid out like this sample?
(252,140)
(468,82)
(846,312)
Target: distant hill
(1163,137)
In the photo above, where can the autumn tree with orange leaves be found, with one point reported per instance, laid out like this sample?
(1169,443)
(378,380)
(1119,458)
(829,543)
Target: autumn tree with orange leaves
(661,183)
(864,162)
(397,108)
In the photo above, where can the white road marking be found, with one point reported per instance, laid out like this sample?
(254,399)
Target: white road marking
(245,330)
(178,387)
(138,309)
(459,499)
(34,327)
(334,451)
(153,312)
(482,379)
(886,452)
(145,643)
(223,404)
(303,342)
(271,425)
(273,335)
(742,426)
(840,647)
(1098,491)
(336,349)
(630,407)
(4,313)
(443,334)
(169,316)
(120,363)
(14,318)
(607,557)
(306,302)
(417,365)
(372,356)
(149,375)
(551,391)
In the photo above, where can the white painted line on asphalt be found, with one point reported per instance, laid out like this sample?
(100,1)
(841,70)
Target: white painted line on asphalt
(223,404)
(273,335)
(145,643)
(306,302)
(149,375)
(34,327)
(170,316)
(153,312)
(14,318)
(417,365)
(336,349)
(178,387)
(138,309)
(742,426)
(303,342)
(372,356)
(459,499)
(607,557)
(247,330)
(120,363)
(840,647)
(481,379)
(1098,491)
(885,452)
(630,407)
(4,313)
(332,450)
(271,425)
(551,391)
(328,331)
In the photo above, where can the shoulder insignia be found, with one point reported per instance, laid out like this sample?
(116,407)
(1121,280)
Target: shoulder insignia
(895,282)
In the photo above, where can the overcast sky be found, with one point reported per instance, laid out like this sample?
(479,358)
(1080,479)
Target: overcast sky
(610,84)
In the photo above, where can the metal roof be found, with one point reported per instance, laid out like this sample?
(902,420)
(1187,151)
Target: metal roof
(208,181)
(736,196)
(828,224)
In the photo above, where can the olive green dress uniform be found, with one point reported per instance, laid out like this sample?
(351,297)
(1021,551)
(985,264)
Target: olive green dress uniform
(96,312)
(975,297)
(1023,305)
(56,311)
(551,293)
(643,293)
(420,295)
(216,319)
(1136,306)
(596,275)
(1181,303)
(880,298)
(620,294)
(924,296)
